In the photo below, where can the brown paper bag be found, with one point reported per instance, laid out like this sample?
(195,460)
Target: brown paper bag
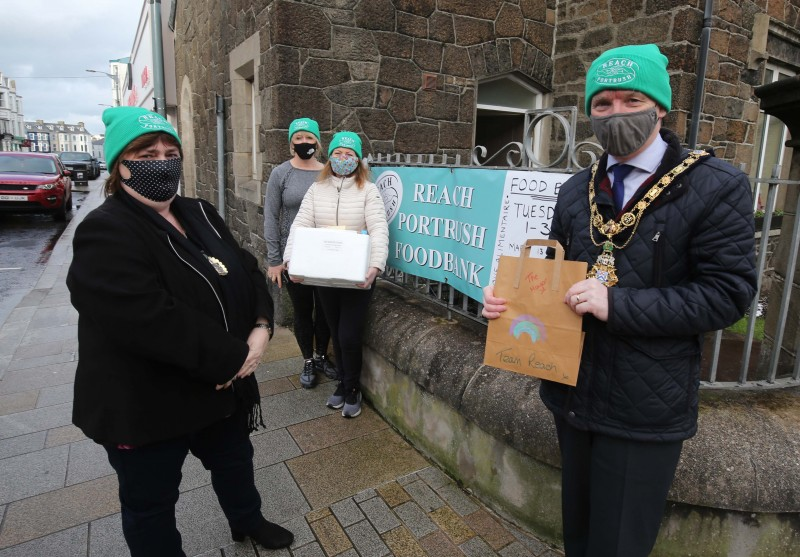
(538,334)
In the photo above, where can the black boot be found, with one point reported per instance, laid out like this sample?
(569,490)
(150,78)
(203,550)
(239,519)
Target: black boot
(267,534)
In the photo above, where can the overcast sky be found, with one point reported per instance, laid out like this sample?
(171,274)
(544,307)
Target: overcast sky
(59,40)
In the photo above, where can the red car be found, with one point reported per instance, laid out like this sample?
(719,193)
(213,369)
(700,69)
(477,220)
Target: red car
(34,182)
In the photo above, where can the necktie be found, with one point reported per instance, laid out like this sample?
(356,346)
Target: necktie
(618,187)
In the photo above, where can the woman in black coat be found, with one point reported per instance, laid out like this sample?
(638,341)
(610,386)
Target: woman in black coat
(174,317)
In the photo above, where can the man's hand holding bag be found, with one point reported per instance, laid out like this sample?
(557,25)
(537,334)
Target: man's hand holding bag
(538,334)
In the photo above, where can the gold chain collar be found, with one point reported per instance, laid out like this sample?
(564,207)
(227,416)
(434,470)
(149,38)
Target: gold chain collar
(604,269)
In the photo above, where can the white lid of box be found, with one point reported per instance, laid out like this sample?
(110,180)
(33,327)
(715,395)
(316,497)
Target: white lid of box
(329,256)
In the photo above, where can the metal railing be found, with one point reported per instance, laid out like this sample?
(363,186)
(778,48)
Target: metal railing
(519,155)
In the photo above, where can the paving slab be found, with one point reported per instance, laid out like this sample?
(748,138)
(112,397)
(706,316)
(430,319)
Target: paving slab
(281,497)
(18,402)
(22,444)
(38,377)
(380,515)
(58,510)
(347,512)
(87,461)
(105,537)
(331,474)
(63,435)
(39,419)
(66,353)
(366,539)
(67,543)
(32,473)
(332,429)
(58,394)
(402,543)
(294,407)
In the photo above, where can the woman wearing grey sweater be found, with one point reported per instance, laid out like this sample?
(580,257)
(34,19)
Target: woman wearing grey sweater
(287,185)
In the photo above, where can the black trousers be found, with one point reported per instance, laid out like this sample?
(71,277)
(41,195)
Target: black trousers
(614,492)
(309,319)
(346,311)
(149,477)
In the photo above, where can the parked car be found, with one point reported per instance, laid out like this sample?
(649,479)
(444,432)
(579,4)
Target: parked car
(84,166)
(102,165)
(34,182)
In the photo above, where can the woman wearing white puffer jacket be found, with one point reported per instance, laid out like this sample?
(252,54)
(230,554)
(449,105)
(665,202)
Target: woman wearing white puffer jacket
(344,197)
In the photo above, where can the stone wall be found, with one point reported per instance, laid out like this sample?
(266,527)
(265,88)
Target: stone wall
(401,73)
(744,34)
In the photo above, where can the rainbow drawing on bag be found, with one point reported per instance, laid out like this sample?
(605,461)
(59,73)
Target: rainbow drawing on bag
(528,325)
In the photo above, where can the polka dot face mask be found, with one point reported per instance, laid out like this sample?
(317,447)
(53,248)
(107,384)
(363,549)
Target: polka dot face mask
(154,180)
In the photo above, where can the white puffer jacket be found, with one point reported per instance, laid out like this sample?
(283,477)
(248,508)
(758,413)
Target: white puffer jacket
(340,202)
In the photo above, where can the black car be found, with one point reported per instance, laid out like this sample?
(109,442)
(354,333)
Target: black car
(84,166)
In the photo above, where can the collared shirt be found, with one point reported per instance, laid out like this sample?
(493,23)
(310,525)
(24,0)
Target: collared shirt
(644,165)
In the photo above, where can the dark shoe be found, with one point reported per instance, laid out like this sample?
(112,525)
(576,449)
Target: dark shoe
(267,534)
(352,404)
(307,376)
(323,365)
(336,400)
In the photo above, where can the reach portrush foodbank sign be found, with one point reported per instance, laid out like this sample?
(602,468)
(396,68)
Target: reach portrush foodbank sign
(453,224)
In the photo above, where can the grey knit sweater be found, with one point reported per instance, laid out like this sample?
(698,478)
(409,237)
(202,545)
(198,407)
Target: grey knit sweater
(285,190)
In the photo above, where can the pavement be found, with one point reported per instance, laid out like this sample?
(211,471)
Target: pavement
(344,487)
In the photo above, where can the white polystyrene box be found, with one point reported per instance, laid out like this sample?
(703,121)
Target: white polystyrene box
(329,257)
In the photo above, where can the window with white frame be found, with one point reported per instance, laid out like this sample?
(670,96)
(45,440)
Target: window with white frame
(503,106)
(770,153)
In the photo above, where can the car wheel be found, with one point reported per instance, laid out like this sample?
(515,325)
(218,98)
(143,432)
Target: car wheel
(61,212)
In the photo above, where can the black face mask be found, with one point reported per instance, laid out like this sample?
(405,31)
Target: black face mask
(305,150)
(154,180)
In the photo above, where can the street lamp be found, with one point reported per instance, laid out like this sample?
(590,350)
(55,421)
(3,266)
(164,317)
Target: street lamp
(115,79)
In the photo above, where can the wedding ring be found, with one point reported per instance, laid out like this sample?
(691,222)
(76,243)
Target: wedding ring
(578,298)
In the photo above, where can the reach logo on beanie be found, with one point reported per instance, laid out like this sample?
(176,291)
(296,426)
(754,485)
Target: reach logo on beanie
(126,123)
(347,140)
(636,67)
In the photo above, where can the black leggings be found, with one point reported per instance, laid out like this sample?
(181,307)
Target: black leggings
(308,327)
(346,310)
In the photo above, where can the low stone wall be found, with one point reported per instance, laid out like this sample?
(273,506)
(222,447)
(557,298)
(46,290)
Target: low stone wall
(736,492)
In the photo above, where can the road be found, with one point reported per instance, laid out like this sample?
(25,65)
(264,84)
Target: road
(26,241)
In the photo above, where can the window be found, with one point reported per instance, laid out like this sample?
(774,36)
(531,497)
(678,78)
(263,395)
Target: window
(770,149)
(502,117)
(245,111)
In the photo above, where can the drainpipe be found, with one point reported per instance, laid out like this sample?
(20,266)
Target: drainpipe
(159,96)
(221,156)
(705,39)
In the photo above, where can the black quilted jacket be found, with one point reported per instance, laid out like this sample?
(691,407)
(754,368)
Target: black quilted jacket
(689,269)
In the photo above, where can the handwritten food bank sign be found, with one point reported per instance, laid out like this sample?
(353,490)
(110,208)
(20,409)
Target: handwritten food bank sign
(453,224)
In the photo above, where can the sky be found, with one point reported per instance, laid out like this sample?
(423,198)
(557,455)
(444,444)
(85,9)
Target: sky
(46,46)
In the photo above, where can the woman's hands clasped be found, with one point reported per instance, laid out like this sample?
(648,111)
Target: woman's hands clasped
(257,342)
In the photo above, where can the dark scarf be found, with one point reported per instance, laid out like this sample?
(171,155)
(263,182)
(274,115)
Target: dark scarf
(234,289)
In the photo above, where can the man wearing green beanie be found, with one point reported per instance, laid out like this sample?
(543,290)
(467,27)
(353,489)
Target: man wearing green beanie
(668,238)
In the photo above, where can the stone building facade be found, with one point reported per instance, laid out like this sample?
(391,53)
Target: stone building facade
(426,76)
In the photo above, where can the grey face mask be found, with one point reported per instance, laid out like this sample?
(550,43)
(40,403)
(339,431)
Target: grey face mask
(623,134)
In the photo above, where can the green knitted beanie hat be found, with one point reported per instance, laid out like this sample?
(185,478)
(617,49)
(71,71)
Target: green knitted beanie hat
(304,125)
(126,123)
(636,67)
(349,140)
